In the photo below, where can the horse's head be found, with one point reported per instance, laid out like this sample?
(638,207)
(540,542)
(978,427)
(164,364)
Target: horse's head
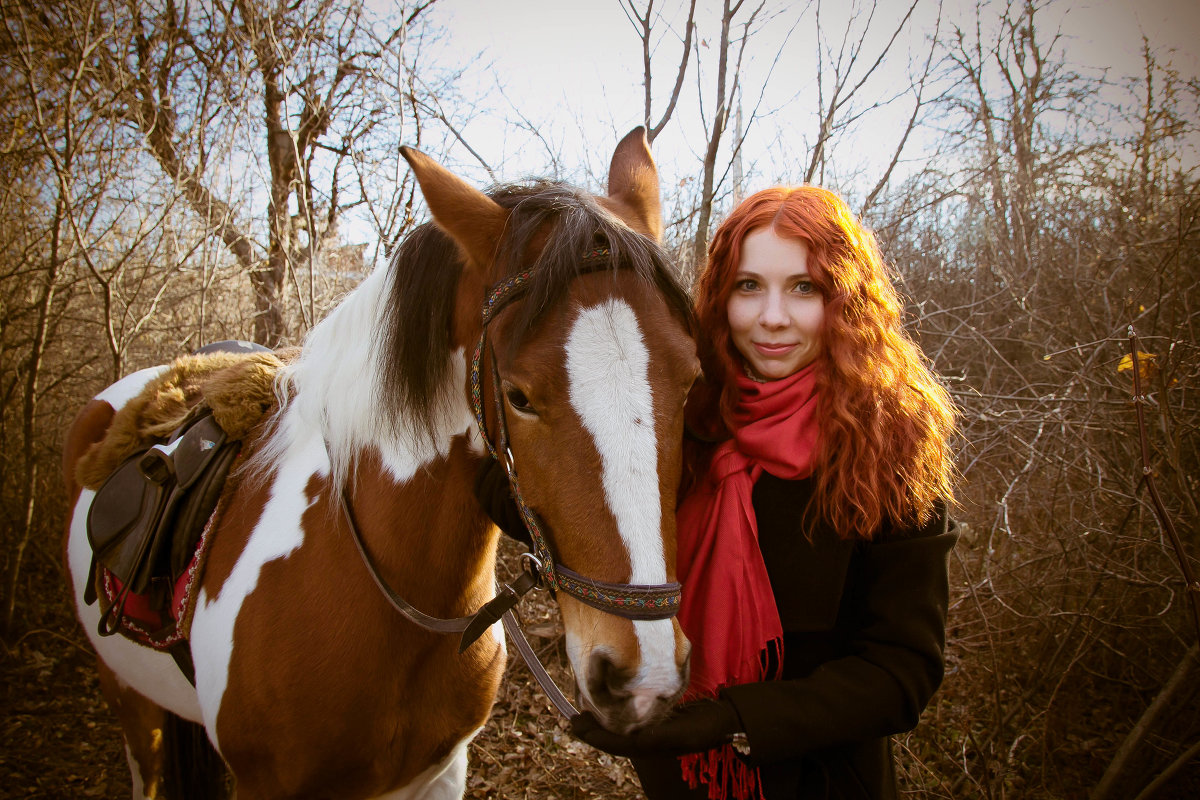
(592,359)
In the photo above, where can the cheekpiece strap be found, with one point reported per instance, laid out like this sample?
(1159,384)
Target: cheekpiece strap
(501,295)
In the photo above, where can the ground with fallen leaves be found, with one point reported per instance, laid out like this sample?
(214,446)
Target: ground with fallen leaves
(58,739)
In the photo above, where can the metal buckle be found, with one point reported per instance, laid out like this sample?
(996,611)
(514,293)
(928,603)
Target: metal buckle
(533,565)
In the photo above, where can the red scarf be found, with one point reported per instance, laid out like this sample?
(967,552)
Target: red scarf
(728,609)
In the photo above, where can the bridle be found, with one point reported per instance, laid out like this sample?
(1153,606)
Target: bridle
(540,569)
(631,601)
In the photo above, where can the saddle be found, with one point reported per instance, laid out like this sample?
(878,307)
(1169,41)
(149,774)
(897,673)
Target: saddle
(159,473)
(147,517)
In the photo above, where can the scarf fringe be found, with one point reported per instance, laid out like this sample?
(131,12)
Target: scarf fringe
(724,773)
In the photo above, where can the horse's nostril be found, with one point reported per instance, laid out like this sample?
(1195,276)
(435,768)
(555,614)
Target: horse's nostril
(607,681)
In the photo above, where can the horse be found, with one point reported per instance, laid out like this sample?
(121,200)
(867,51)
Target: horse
(307,683)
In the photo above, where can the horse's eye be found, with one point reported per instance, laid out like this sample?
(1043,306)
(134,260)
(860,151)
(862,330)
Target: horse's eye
(519,402)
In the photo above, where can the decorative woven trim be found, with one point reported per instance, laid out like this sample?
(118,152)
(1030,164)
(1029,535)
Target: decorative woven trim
(502,291)
(633,601)
(597,253)
(477,394)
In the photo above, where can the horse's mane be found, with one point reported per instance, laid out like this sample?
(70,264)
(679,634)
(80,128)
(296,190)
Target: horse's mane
(415,330)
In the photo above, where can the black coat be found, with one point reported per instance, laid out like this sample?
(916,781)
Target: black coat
(864,631)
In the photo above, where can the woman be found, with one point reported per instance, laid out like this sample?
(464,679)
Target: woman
(813,537)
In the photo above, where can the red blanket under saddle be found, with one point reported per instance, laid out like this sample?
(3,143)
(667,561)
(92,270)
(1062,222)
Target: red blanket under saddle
(142,622)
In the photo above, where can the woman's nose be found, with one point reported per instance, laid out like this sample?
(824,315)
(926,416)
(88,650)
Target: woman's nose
(772,314)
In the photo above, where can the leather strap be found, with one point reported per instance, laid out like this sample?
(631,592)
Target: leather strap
(471,627)
(631,601)
(557,698)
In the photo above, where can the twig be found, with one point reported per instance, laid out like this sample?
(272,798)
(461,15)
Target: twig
(11,650)
(1148,719)
(1139,401)
(1144,725)
(1169,772)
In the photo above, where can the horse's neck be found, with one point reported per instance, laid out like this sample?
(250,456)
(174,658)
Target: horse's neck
(428,532)
(409,482)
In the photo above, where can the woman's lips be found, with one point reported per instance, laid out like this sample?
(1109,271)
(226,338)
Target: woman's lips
(768,349)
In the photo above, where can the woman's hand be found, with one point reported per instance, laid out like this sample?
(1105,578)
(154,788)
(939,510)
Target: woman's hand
(691,728)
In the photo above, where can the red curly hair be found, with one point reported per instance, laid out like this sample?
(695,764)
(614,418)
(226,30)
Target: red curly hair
(886,421)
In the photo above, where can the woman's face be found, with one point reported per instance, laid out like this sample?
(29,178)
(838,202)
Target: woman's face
(775,313)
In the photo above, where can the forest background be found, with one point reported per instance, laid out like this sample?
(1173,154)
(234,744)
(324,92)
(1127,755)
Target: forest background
(173,174)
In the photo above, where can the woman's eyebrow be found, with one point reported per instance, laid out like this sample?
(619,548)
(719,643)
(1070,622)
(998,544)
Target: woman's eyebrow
(744,273)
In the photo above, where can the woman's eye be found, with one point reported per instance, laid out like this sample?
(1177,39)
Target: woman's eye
(517,399)
(805,287)
(746,285)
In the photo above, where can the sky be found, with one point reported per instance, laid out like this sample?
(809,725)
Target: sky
(573,70)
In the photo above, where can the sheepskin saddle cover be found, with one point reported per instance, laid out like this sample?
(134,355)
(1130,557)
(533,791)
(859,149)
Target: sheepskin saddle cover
(239,389)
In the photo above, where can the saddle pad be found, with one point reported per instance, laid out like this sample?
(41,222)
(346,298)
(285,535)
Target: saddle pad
(140,622)
(149,526)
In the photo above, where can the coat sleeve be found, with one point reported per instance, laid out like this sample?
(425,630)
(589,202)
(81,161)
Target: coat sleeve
(890,665)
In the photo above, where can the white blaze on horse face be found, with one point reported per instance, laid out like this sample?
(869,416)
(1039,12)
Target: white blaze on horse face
(608,370)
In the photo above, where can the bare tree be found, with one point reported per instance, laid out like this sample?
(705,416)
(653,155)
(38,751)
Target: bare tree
(727,84)
(41,235)
(643,22)
(115,127)
(191,77)
(842,75)
(918,87)
(1030,256)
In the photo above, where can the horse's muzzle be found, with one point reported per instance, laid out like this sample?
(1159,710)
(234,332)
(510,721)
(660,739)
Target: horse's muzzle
(625,699)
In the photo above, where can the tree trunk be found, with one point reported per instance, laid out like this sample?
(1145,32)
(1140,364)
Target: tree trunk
(29,404)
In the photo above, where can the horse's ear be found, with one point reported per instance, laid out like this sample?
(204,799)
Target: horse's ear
(633,183)
(468,215)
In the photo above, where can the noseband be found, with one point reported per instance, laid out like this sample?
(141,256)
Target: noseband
(628,600)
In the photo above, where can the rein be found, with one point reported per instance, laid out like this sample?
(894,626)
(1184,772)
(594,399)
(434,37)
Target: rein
(472,627)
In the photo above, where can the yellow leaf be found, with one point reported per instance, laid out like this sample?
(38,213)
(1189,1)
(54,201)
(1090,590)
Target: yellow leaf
(1147,366)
